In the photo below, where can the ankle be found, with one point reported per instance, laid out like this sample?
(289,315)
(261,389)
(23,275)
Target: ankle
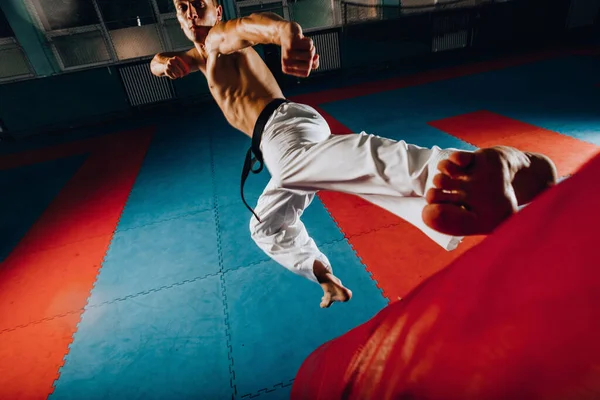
(322,273)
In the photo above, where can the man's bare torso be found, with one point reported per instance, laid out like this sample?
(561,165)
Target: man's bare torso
(241,84)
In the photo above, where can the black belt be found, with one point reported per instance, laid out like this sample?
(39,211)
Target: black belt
(255,148)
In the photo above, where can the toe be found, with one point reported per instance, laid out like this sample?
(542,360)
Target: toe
(326,301)
(447,167)
(442,181)
(441,196)
(451,219)
(462,158)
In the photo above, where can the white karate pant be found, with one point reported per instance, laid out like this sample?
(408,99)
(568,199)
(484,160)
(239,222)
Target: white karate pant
(303,157)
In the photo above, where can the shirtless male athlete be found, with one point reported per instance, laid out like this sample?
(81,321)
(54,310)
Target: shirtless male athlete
(446,191)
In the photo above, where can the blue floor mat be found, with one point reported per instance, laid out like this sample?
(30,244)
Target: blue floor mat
(175,177)
(158,255)
(169,344)
(275,319)
(282,392)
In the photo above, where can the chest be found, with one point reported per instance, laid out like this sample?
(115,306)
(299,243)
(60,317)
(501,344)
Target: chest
(224,71)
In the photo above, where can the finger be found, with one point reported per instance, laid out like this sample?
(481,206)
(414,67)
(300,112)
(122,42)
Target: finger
(298,64)
(451,169)
(302,56)
(298,73)
(169,73)
(440,196)
(450,219)
(315,64)
(462,158)
(442,181)
(174,69)
(177,64)
(176,72)
(301,71)
(181,65)
(302,43)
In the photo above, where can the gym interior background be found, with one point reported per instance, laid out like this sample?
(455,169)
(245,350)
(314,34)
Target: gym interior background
(74,62)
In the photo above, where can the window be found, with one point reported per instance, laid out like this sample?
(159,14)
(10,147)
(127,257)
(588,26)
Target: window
(14,64)
(174,36)
(65,14)
(73,29)
(85,33)
(132,27)
(247,7)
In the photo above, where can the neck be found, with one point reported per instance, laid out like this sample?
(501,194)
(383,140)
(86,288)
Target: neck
(201,49)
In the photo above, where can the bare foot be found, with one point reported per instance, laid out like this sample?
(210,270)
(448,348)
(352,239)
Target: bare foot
(333,290)
(476,192)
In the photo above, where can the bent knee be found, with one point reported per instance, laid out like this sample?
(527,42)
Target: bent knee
(259,231)
(255,228)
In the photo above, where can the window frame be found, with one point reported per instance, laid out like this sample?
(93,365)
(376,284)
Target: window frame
(50,35)
(12,41)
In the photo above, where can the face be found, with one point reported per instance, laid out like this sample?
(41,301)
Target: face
(196,17)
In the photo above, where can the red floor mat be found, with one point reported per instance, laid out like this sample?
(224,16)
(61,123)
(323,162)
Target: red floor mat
(30,357)
(47,278)
(486,129)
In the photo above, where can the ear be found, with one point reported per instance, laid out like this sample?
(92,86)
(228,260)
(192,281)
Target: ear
(219,13)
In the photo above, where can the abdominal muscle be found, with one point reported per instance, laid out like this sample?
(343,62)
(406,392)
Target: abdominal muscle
(242,85)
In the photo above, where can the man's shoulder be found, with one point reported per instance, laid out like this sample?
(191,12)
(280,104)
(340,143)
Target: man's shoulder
(194,56)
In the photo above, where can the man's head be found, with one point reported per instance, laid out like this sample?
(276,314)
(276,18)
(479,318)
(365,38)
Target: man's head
(196,17)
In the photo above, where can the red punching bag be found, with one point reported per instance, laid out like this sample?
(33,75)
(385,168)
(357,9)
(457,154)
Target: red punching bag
(516,317)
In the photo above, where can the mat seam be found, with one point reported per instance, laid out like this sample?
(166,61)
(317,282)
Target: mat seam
(82,311)
(273,388)
(221,272)
(112,301)
(178,216)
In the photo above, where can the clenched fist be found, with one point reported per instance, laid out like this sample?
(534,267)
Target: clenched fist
(298,53)
(175,68)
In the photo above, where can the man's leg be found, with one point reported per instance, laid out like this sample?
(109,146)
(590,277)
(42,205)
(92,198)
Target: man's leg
(301,154)
(281,234)
(476,192)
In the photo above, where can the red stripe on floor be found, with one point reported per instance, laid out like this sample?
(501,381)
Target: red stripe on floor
(52,270)
(365,89)
(30,357)
(485,129)
(398,255)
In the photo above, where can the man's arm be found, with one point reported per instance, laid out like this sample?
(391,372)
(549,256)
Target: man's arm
(260,28)
(298,53)
(175,64)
